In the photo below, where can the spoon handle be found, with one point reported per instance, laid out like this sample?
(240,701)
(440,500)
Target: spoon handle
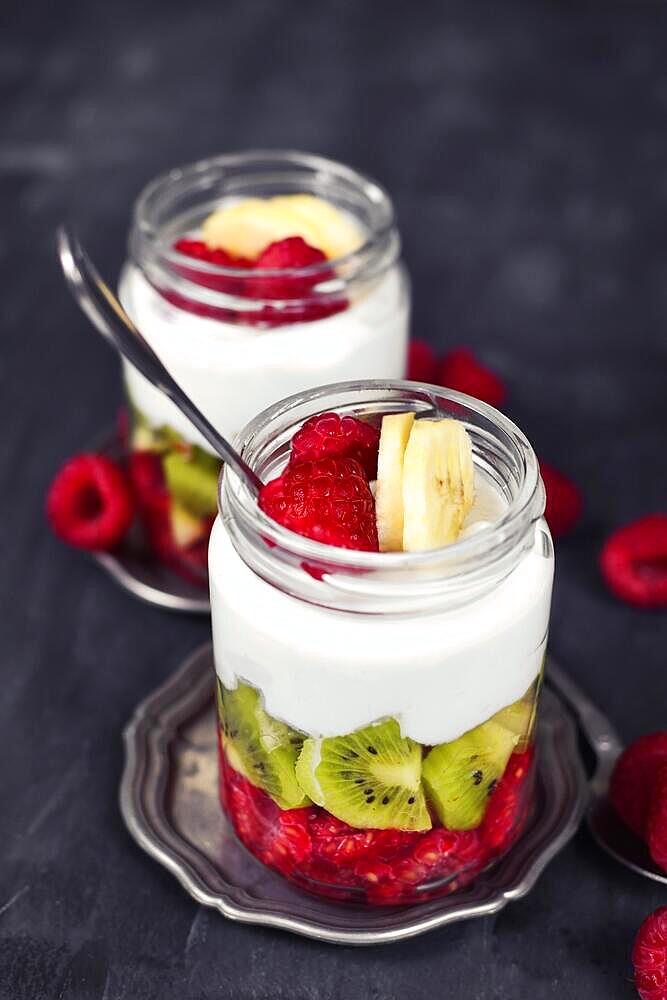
(103,308)
(598,730)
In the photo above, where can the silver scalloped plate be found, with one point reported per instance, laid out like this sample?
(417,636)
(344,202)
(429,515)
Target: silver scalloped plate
(169,801)
(135,568)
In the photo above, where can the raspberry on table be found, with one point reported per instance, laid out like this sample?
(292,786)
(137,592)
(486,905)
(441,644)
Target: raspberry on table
(328,500)
(89,503)
(634,779)
(564,501)
(463,371)
(656,826)
(634,562)
(649,956)
(330,435)
(422,362)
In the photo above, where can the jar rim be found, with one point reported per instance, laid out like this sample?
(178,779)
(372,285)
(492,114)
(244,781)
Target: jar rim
(147,237)
(461,563)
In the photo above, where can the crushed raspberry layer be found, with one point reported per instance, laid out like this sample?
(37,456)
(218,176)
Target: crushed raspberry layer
(634,562)
(328,500)
(328,857)
(89,503)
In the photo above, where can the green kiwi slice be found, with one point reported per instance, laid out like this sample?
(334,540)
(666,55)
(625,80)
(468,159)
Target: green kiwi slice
(261,749)
(370,778)
(460,776)
(192,481)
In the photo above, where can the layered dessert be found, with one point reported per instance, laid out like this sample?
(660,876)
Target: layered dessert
(383,757)
(252,278)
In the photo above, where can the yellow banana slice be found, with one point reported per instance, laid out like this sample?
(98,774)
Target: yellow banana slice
(438,484)
(246,227)
(394,435)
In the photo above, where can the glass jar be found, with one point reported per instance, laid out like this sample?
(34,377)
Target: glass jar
(239,339)
(377,710)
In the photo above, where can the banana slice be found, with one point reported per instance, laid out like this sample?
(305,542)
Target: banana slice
(394,435)
(247,227)
(438,484)
(338,235)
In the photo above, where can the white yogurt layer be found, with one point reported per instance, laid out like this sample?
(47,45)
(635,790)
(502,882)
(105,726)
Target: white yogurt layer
(329,672)
(232,372)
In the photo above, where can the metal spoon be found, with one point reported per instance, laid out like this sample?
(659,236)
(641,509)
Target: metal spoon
(603,821)
(101,306)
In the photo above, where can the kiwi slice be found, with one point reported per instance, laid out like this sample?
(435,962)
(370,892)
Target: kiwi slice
(371,778)
(262,750)
(192,481)
(460,776)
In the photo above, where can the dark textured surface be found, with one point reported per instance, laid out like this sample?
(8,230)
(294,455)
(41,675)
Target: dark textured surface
(527,154)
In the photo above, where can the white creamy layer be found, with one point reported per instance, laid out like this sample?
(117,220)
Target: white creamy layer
(328,672)
(233,372)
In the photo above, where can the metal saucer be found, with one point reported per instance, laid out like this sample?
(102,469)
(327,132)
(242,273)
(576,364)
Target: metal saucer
(136,569)
(169,801)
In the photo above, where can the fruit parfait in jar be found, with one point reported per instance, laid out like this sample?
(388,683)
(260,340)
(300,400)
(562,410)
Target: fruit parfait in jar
(380,616)
(252,276)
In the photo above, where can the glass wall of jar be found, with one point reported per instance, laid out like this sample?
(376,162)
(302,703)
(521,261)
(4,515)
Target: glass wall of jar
(238,336)
(377,710)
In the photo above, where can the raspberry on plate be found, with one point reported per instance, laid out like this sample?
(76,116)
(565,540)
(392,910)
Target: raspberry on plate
(463,371)
(656,827)
(634,779)
(564,501)
(422,362)
(89,503)
(328,500)
(330,435)
(634,562)
(649,956)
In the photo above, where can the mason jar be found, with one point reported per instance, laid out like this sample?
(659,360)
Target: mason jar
(238,339)
(377,710)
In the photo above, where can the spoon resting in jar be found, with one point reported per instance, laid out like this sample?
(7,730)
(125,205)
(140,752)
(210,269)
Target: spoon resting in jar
(101,306)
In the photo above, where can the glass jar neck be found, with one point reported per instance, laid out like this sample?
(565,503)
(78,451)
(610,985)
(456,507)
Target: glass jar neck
(386,583)
(176,204)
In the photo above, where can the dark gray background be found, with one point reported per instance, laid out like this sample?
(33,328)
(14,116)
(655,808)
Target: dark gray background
(525,145)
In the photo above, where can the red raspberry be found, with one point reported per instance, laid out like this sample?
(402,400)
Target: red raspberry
(634,778)
(328,500)
(461,370)
(507,805)
(89,503)
(328,434)
(634,562)
(288,844)
(649,956)
(422,362)
(564,501)
(656,827)
(284,255)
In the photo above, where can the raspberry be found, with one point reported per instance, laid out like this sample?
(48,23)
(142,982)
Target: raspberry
(328,434)
(564,501)
(89,503)
(634,562)
(649,956)
(198,250)
(288,843)
(507,804)
(656,826)
(634,779)
(461,370)
(284,255)
(328,500)
(422,362)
